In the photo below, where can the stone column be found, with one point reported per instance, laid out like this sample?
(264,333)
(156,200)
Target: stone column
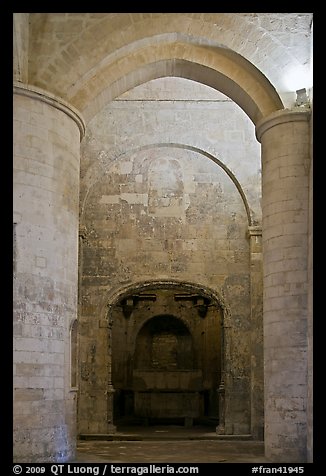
(257,346)
(220,429)
(20,46)
(284,137)
(110,390)
(310,402)
(47,134)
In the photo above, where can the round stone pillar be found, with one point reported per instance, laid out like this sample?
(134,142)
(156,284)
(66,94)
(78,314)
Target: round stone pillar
(257,346)
(47,134)
(284,137)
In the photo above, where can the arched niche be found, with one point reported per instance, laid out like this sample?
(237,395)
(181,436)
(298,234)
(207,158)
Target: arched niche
(166,356)
(164,343)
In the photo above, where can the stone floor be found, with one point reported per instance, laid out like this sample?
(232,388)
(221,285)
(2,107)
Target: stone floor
(168,444)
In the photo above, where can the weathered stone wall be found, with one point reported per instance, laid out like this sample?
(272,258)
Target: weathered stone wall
(155,206)
(212,124)
(46,178)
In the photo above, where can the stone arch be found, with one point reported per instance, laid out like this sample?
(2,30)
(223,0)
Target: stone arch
(94,65)
(90,40)
(139,327)
(97,174)
(116,295)
(216,67)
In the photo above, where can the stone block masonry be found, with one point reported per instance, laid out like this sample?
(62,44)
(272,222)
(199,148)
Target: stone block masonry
(285,139)
(46,179)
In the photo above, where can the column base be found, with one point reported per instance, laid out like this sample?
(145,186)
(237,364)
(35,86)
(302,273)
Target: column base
(220,430)
(111,428)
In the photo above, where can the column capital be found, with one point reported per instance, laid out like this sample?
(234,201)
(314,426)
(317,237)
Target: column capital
(55,101)
(281,117)
(255,230)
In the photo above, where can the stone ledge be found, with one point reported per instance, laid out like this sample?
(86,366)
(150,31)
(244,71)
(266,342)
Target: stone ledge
(139,436)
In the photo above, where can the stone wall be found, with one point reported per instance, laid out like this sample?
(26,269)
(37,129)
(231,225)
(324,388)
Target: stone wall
(46,178)
(168,190)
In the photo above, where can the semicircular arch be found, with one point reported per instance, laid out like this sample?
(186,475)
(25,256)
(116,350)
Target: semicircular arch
(97,176)
(217,67)
(114,296)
